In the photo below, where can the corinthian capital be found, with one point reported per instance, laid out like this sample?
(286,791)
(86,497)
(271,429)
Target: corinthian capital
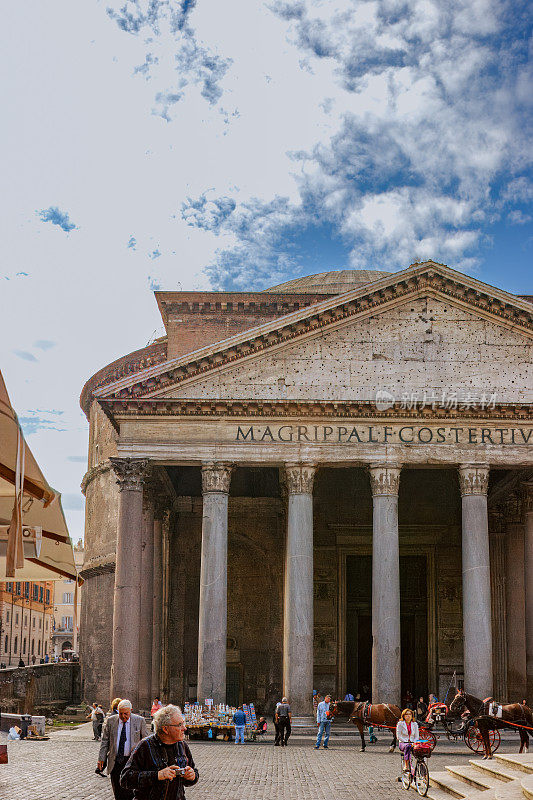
(384,479)
(300,478)
(131,472)
(473,479)
(216,477)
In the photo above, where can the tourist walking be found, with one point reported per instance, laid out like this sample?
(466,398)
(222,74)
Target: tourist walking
(162,765)
(239,720)
(97,719)
(122,733)
(283,722)
(112,710)
(323,720)
(94,721)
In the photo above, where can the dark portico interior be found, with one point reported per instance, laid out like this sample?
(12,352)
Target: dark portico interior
(430,580)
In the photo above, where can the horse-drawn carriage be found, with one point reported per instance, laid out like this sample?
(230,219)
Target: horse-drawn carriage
(485,718)
(463,727)
(477,722)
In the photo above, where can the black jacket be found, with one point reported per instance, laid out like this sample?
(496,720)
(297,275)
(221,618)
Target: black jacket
(140,773)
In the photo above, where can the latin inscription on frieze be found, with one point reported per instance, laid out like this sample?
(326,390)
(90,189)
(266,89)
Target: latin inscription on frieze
(384,434)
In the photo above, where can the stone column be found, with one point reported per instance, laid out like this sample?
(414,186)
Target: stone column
(298,595)
(528,567)
(157,599)
(213,611)
(127,596)
(515,591)
(147,591)
(386,639)
(477,624)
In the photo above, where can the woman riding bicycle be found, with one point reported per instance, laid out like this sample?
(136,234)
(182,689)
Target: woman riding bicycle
(407,734)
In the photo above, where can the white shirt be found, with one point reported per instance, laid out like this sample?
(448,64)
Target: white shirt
(127,744)
(403,734)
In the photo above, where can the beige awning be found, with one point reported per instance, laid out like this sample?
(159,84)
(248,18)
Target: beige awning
(48,553)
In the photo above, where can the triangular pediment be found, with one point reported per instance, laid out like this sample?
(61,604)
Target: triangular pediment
(393,313)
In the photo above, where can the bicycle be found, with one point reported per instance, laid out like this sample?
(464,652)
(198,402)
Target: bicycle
(419,774)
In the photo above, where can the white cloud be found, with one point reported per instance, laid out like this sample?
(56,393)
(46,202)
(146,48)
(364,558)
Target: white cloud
(400,125)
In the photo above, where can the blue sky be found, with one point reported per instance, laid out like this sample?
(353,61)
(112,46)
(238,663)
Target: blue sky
(235,145)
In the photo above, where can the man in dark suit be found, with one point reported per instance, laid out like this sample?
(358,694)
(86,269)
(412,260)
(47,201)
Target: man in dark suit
(121,734)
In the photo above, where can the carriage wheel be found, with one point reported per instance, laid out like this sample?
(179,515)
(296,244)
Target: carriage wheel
(473,738)
(430,736)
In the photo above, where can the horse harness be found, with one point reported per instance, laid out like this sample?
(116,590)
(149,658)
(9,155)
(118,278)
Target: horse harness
(366,710)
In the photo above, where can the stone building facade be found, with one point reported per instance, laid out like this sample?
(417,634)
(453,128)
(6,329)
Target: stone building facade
(66,627)
(327,484)
(26,621)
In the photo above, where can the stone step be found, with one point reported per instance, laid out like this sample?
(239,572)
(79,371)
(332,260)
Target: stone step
(474,777)
(454,786)
(510,791)
(436,793)
(520,761)
(527,787)
(496,769)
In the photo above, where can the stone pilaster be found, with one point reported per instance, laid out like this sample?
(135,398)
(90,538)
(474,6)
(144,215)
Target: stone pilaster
(157,597)
(167,526)
(386,639)
(131,473)
(498,597)
(477,622)
(213,611)
(528,566)
(147,591)
(298,595)
(515,592)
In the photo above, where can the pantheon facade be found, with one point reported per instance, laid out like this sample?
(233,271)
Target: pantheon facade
(327,484)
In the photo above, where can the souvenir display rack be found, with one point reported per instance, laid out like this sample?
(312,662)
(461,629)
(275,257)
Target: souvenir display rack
(212,721)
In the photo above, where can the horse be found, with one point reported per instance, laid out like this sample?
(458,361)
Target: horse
(479,709)
(362,714)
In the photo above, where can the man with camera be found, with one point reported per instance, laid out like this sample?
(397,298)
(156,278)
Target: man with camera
(161,765)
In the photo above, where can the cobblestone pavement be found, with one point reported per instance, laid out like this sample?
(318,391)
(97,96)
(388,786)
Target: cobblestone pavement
(63,769)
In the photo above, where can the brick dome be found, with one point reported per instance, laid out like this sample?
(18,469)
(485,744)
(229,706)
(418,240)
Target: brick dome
(335,282)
